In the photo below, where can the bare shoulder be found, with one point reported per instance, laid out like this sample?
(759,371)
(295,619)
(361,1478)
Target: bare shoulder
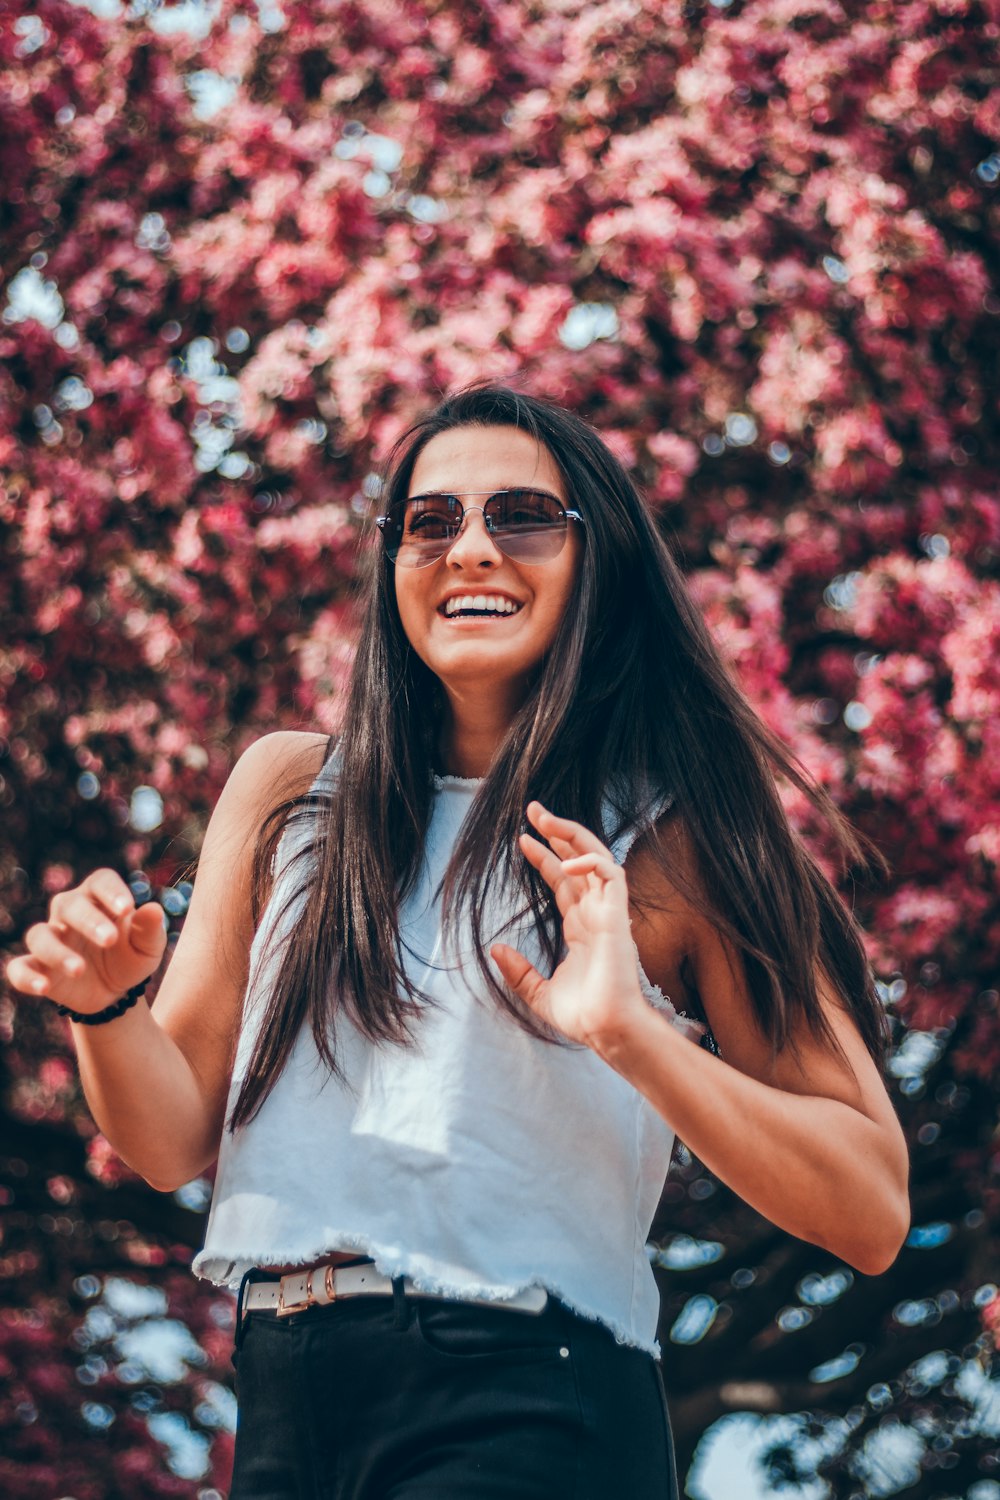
(275,768)
(281,764)
(665,922)
(287,747)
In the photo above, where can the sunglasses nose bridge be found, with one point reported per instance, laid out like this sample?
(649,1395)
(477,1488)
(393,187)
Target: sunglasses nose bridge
(467,511)
(462,531)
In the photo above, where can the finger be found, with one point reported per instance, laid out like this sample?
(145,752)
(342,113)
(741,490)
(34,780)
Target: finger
(81,917)
(105,892)
(601,876)
(550,867)
(595,864)
(28,976)
(548,864)
(145,931)
(579,840)
(109,892)
(522,977)
(50,951)
(564,848)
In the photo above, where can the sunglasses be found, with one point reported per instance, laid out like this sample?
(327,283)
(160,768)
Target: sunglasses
(529,526)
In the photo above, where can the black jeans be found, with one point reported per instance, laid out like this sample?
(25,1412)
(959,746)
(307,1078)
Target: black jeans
(382,1398)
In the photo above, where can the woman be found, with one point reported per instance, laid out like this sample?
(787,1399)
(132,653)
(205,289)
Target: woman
(442,1066)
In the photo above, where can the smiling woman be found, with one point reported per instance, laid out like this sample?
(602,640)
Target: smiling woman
(525,553)
(443,1076)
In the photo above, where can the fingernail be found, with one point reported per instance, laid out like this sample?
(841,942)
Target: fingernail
(121,904)
(104,932)
(73,965)
(38,985)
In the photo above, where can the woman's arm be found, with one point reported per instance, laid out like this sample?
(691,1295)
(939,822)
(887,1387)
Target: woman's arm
(813,1145)
(156,1080)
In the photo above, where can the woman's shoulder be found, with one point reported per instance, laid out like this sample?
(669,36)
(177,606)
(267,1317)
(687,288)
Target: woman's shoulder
(265,794)
(663,875)
(280,765)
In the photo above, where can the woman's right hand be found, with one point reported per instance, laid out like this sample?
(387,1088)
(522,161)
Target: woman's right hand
(95,945)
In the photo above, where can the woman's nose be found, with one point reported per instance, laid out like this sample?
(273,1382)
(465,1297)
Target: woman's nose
(474,546)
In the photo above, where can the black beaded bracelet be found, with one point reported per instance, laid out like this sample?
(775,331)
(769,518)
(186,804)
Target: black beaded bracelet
(116,1008)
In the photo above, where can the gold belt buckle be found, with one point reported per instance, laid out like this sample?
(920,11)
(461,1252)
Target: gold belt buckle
(285,1308)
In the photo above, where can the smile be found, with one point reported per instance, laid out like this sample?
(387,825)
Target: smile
(462,606)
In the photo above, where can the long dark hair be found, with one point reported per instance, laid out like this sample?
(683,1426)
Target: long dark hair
(632,694)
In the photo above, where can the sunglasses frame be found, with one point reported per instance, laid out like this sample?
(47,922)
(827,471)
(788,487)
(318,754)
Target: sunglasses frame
(569,515)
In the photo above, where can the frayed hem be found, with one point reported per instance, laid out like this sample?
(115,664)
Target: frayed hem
(228,1270)
(691,1027)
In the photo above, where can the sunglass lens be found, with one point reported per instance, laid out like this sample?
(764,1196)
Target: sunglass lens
(529,525)
(418,531)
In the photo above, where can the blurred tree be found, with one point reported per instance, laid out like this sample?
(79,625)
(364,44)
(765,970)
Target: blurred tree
(755,243)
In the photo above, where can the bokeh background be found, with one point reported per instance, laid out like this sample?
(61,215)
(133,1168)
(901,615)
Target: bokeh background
(755,243)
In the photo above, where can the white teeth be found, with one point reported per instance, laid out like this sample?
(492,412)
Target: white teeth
(494,602)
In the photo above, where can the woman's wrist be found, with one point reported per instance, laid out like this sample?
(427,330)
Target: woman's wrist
(109,1012)
(627,1038)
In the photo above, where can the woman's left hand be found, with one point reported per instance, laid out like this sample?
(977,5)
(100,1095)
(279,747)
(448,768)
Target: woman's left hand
(596,986)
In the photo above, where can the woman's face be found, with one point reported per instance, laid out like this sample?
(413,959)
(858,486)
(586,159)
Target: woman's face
(503,650)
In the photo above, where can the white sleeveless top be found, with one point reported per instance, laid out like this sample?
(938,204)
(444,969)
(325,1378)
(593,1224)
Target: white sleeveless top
(477,1160)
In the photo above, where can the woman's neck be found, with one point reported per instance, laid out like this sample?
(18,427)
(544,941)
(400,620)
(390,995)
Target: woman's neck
(473,731)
